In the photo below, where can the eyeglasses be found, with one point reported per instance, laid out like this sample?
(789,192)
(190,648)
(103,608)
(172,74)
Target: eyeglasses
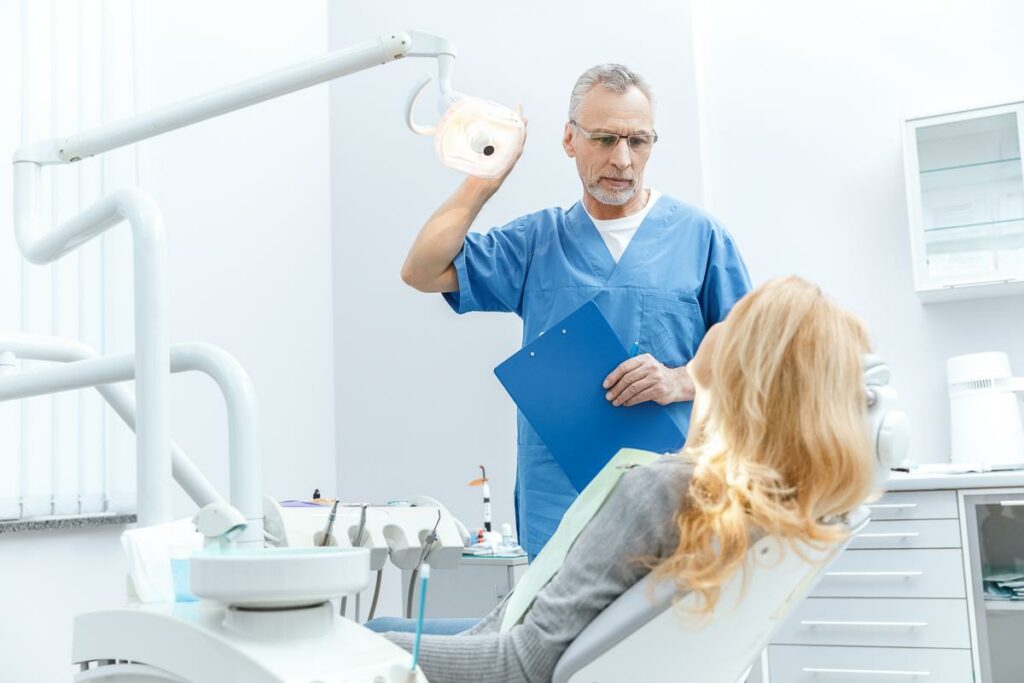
(638,142)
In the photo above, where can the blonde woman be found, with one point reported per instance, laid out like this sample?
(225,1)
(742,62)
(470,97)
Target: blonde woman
(778,444)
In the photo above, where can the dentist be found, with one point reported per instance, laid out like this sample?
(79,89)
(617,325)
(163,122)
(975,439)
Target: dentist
(662,271)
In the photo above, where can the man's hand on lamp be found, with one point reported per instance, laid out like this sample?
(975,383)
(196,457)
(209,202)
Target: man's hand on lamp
(644,378)
(491,185)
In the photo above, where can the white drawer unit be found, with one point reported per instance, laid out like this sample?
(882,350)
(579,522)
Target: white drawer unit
(803,664)
(915,505)
(878,622)
(910,533)
(905,601)
(915,573)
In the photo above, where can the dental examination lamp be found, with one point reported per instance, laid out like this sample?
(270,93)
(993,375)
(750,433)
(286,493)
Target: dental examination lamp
(474,136)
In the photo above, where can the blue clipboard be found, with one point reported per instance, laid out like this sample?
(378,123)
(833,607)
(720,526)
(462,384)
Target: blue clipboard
(556,382)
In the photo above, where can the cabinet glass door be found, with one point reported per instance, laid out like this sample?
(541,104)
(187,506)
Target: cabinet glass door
(995,538)
(972,198)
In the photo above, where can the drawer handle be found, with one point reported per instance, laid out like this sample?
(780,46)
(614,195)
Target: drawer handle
(904,534)
(892,506)
(866,672)
(872,575)
(883,624)
(1011,503)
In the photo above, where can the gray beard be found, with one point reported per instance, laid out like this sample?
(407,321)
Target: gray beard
(611,198)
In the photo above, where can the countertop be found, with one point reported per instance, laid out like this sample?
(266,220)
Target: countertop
(72,522)
(902,481)
(898,481)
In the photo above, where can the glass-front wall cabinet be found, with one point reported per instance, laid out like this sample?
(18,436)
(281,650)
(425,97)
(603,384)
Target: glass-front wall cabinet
(995,541)
(965,193)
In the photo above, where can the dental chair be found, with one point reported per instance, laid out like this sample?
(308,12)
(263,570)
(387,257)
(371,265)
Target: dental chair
(652,634)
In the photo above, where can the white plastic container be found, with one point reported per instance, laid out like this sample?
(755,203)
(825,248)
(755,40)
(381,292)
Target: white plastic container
(985,414)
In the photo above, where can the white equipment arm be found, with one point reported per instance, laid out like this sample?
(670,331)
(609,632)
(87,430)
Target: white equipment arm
(151,359)
(231,378)
(118,397)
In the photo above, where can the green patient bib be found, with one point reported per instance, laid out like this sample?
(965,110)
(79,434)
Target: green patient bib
(583,509)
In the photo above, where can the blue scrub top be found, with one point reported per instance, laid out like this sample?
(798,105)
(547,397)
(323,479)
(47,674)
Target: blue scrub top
(680,274)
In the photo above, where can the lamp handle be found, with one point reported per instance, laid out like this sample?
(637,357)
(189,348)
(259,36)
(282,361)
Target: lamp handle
(410,103)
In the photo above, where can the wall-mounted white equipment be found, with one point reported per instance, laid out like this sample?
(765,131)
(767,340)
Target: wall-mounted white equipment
(965,200)
(985,415)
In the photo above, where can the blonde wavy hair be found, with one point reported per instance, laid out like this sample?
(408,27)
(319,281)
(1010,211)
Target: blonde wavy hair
(779,440)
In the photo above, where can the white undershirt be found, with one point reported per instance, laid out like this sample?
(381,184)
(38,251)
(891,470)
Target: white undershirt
(618,232)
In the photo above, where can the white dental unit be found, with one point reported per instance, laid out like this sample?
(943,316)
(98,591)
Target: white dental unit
(265,614)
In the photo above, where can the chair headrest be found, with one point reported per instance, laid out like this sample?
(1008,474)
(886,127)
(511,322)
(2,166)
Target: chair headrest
(858,519)
(889,428)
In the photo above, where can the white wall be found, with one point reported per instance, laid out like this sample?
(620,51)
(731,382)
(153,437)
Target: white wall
(246,204)
(418,407)
(801,107)
(48,577)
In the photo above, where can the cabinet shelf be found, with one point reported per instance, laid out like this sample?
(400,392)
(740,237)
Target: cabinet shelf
(974,165)
(1003,175)
(1004,605)
(975,225)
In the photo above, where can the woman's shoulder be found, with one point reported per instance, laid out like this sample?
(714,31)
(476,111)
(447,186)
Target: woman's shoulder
(670,468)
(665,479)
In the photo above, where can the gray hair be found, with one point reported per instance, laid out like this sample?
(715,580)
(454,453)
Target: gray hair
(615,77)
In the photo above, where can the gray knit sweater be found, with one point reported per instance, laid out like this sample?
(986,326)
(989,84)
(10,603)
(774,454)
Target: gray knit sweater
(635,522)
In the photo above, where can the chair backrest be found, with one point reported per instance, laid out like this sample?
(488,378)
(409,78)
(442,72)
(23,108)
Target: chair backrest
(643,637)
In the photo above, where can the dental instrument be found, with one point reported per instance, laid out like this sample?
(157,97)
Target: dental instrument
(483,482)
(376,595)
(362,526)
(428,543)
(326,540)
(357,542)
(424,580)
